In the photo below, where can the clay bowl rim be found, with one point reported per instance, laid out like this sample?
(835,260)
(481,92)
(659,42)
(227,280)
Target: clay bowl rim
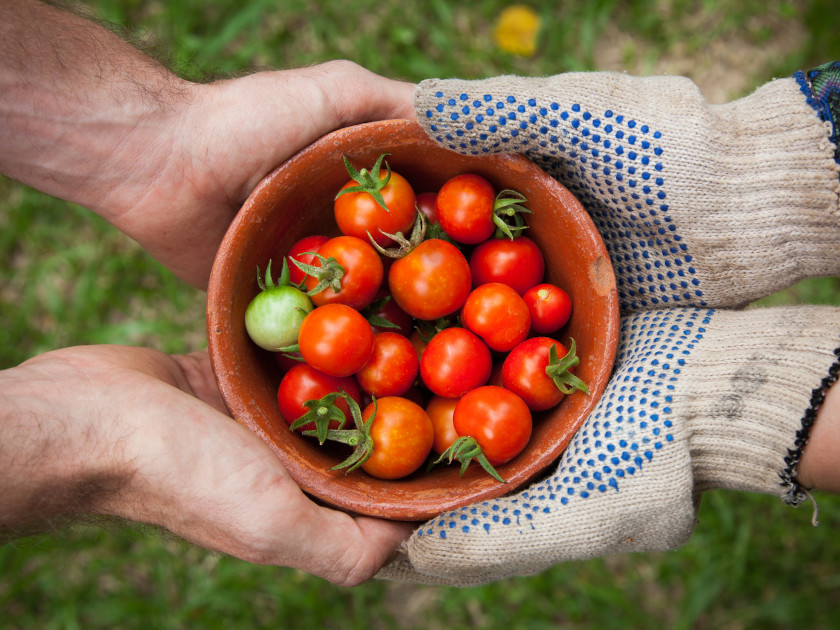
(238,364)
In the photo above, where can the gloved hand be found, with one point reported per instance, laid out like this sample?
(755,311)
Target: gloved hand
(696,203)
(701,207)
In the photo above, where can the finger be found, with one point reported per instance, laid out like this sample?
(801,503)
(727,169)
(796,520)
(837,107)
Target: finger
(342,549)
(357,95)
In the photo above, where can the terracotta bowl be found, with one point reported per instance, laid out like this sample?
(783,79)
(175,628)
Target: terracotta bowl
(295,200)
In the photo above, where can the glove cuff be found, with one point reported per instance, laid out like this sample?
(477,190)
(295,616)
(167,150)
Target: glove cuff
(821,87)
(755,396)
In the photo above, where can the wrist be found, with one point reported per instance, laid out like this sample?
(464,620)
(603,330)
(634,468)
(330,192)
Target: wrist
(87,117)
(755,395)
(60,457)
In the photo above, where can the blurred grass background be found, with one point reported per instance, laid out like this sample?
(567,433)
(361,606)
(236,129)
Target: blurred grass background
(69,278)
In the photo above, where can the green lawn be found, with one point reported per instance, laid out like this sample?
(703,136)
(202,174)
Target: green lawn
(71,279)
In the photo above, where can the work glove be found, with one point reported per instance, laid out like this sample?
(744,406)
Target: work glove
(703,209)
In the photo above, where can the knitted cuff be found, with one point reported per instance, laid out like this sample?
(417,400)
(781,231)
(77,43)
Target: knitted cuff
(754,395)
(821,87)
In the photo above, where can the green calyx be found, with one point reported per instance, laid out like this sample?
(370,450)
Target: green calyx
(507,214)
(368,181)
(466,449)
(321,412)
(359,438)
(403,245)
(268,283)
(558,370)
(373,319)
(328,274)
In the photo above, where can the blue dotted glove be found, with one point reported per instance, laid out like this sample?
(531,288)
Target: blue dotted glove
(700,399)
(695,203)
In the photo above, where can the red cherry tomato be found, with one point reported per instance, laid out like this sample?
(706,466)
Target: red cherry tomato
(426,205)
(302,251)
(286,361)
(523,372)
(336,339)
(550,307)
(402,436)
(498,419)
(392,367)
(357,213)
(302,383)
(441,411)
(431,281)
(497,314)
(464,208)
(419,341)
(518,263)
(454,362)
(363,272)
(384,307)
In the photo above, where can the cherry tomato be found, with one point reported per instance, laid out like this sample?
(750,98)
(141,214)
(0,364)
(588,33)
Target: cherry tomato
(455,361)
(303,251)
(358,214)
(498,419)
(497,314)
(402,436)
(550,308)
(302,383)
(274,316)
(431,281)
(363,272)
(440,411)
(336,339)
(384,307)
(464,208)
(419,341)
(518,263)
(392,367)
(287,360)
(426,205)
(523,372)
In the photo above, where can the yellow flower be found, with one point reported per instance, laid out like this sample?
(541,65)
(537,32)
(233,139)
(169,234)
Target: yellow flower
(516,30)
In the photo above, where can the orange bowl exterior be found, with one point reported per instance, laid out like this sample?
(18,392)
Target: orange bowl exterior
(295,200)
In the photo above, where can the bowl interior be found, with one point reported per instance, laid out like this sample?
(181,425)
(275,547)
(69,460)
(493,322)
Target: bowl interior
(295,200)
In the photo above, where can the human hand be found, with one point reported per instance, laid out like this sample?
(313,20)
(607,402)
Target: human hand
(142,435)
(229,136)
(88,118)
(700,398)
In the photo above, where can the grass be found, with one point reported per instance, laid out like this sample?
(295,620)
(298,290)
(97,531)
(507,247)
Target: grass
(72,279)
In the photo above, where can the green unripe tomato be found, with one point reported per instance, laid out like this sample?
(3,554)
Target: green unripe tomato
(274,316)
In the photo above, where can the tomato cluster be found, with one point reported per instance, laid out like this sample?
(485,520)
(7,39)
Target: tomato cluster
(426,322)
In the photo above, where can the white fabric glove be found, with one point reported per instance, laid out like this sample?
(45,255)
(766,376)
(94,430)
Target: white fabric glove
(706,207)
(698,204)
(700,399)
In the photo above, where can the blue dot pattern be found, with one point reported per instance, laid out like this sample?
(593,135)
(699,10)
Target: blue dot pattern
(615,165)
(632,424)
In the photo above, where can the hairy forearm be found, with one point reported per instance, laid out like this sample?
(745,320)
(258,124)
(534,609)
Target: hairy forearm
(83,112)
(53,464)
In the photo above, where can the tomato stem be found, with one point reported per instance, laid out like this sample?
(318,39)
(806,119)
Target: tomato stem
(404,245)
(368,181)
(359,438)
(507,214)
(321,412)
(558,370)
(465,449)
(268,283)
(328,274)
